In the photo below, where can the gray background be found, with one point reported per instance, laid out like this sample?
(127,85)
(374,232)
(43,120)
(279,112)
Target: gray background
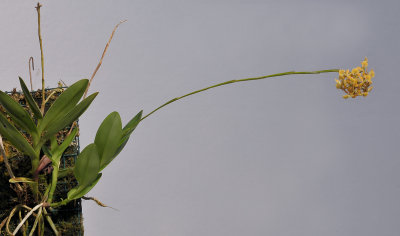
(281,157)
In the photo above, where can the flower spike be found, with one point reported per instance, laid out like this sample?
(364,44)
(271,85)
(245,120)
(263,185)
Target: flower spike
(356,82)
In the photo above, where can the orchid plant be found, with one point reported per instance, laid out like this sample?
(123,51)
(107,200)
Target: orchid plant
(33,130)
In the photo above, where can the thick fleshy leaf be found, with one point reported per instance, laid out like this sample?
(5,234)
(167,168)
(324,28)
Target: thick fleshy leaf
(11,133)
(70,117)
(127,131)
(108,138)
(64,103)
(130,127)
(86,171)
(122,144)
(80,190)
(30,101)
(87,165)
(18,114)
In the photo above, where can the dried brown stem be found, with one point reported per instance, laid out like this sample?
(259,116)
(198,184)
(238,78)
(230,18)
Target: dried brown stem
(9,219)
(98,66)
(102,56)
(30,62)
(38,6)
(3,223)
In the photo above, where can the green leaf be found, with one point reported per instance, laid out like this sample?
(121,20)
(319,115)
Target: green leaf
(64,172)
(47,152)
(11,133)
(30,101)
(80,190)
(130,127)
(22,180)
(87,165)
(59,150)
(127,131)
(53,142)
(86,171)
(70,117)
(18,114)
(108,137)
(121,146)
(64,103)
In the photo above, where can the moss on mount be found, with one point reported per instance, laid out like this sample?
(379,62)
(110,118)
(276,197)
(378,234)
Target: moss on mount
(68,218)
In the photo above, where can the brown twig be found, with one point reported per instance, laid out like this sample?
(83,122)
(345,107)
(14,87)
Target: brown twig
(98,66)
(3,223)
(30,62)
(9,219)
(102,56)
(98,202)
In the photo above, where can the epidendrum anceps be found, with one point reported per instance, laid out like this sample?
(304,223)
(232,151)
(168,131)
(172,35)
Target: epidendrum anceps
(111,136)
(33,130)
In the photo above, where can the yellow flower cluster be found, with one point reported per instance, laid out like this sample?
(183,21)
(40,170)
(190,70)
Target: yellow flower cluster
(356,82)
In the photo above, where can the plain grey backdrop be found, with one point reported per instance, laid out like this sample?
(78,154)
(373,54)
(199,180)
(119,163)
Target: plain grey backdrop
(283,156)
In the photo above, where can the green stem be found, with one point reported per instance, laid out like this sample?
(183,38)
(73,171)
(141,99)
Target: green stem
(54,177)
(46,193)
(35,163)
(62,203)
(240,80)
(36,159)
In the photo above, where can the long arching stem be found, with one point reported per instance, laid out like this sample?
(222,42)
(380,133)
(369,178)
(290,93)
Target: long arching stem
(239,80)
